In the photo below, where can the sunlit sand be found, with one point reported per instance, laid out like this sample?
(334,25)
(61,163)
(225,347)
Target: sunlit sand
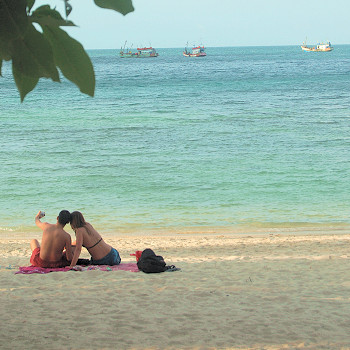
(267,291)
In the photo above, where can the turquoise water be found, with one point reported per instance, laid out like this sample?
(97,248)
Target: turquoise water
(245,137)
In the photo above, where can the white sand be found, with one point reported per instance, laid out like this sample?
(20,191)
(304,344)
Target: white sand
(233,292)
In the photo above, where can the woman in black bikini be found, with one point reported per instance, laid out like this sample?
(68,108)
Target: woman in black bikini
(86,236)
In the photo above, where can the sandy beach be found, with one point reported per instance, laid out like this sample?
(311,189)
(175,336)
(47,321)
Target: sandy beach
(268,291)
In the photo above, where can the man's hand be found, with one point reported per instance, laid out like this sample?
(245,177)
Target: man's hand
(40,215)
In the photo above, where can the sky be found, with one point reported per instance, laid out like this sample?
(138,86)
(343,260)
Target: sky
(173,23)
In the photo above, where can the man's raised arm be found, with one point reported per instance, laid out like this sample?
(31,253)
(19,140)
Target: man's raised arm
(37,220)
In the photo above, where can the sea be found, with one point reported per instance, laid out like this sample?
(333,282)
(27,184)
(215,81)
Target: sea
(244,140)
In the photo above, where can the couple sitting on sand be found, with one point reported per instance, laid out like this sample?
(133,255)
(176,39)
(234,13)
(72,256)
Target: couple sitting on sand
(54,240)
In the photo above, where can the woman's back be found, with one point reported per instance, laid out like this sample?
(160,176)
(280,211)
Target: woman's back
(86,236)
(94,243)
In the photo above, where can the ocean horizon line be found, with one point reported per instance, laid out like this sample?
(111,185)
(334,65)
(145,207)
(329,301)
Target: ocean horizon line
(216,47)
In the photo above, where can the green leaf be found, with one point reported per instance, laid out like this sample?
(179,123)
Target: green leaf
(72,59)
(32,56)
(13,19)
(44,15)
(30,4)
(5,50)
(122,6)
(25,84)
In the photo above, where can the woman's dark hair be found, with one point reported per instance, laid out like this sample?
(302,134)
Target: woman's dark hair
(77,220)
(64,217)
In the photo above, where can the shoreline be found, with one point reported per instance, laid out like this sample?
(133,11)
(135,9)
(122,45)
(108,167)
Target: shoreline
(242,230)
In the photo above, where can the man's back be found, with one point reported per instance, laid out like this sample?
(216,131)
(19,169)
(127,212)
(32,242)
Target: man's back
(54,240)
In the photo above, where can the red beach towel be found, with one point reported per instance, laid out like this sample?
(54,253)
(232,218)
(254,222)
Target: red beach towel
(123,267)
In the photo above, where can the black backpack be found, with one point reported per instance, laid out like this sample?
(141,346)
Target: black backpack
(149,262)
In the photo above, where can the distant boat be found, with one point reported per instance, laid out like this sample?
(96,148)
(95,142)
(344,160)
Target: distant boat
(197,51)
(322,47)
(142,52)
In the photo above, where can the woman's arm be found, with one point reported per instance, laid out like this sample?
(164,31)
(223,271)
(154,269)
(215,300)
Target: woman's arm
(79,243)
(68,247)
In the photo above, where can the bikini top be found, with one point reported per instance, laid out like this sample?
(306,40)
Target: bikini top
(94,244)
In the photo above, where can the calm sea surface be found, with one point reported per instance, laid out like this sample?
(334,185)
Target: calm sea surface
(246,138)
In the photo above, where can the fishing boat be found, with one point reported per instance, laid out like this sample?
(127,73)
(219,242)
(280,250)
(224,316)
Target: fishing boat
(142,52)
(147,52)
(321,47)
(127,54)
(197,51)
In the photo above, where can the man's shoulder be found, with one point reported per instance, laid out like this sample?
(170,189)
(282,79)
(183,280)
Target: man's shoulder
(66,233)
(47,227)
(45,224)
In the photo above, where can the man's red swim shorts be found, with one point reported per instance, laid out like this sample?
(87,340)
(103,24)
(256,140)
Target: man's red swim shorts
(35,260)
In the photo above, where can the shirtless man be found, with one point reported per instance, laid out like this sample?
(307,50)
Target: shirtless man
(53,242)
